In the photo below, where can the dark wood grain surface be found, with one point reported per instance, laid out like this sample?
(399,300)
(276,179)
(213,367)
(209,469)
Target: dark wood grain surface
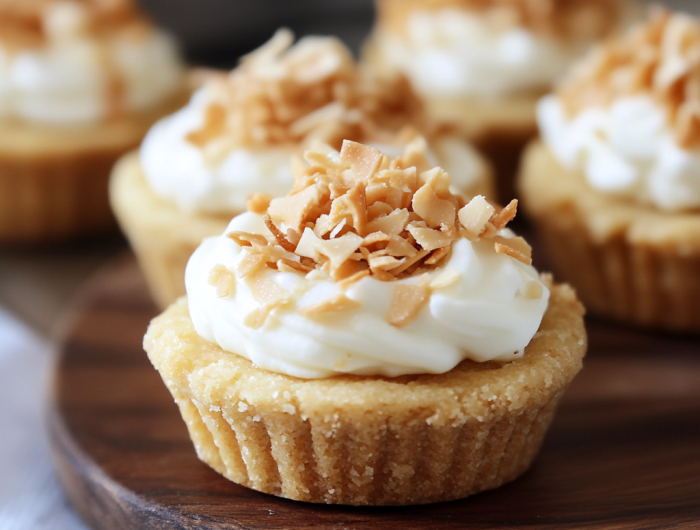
(623,452)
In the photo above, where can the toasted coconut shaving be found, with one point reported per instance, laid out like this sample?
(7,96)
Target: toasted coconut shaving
(446,279)
(224,280)
(475,215)
(332,305)
(660,59)
(515,247)
(292,95)
(257,318)
(347,282)
(258,202)
(407,302)
(246,239)
(279,236)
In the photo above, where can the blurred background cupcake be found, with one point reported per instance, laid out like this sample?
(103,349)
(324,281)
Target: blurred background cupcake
(481,65)
(80,83)
(614,189)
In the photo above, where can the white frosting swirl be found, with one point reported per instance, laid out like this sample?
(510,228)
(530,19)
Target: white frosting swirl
(484,315)
(66,81)
(627,149)
(452,52)
(181,172)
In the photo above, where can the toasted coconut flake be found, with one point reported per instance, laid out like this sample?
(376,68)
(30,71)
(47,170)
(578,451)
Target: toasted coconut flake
(375,237)
(214,125)
(534,290)
(437,256)
(247,239)
(385,263)
(392,224)
(515,247)
(505,216)
(293,210)
(324,225)
(264,290)
(447,278)
(336,304)
(407,302)
(351,207)
(252,263)
(224,280)
(476,214)
(378,209)
(428,238)
(362,159)
(410,261)
(338,228)
(289,265)
(426,202)
(257,318)
(343,285)
(279,236)
(383,276)
(258,202)
(399,247)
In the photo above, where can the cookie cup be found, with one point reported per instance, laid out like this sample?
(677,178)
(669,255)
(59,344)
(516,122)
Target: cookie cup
(363,440)
(630,262)
(164,237)
(54,179)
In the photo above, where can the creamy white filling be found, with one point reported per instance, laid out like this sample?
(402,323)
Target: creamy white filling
(181,172)
(484,315)
(67,80)
(451,52)
(627,149)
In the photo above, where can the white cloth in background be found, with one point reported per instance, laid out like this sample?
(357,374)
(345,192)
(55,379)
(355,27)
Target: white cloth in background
(30,494)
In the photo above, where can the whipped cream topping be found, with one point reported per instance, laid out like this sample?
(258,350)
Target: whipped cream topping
(627,149)
(181,172)
(451,52)
(486,311)
(71,78)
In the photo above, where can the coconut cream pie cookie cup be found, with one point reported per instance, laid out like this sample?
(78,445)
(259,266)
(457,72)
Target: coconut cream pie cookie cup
(80,84)
(614,188)
(370,339)
(230,147)
(482,65)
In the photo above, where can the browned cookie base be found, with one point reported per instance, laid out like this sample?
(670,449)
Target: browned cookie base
(369,440)
(53,180)
(629,262)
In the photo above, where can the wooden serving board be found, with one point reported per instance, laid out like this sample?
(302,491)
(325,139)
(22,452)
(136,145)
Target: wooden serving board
(623,452)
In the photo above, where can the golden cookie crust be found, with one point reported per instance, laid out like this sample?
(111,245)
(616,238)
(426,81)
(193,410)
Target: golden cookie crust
(53,179)
(369,440)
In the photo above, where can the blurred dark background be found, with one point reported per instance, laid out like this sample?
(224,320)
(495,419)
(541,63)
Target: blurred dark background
(217,32)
